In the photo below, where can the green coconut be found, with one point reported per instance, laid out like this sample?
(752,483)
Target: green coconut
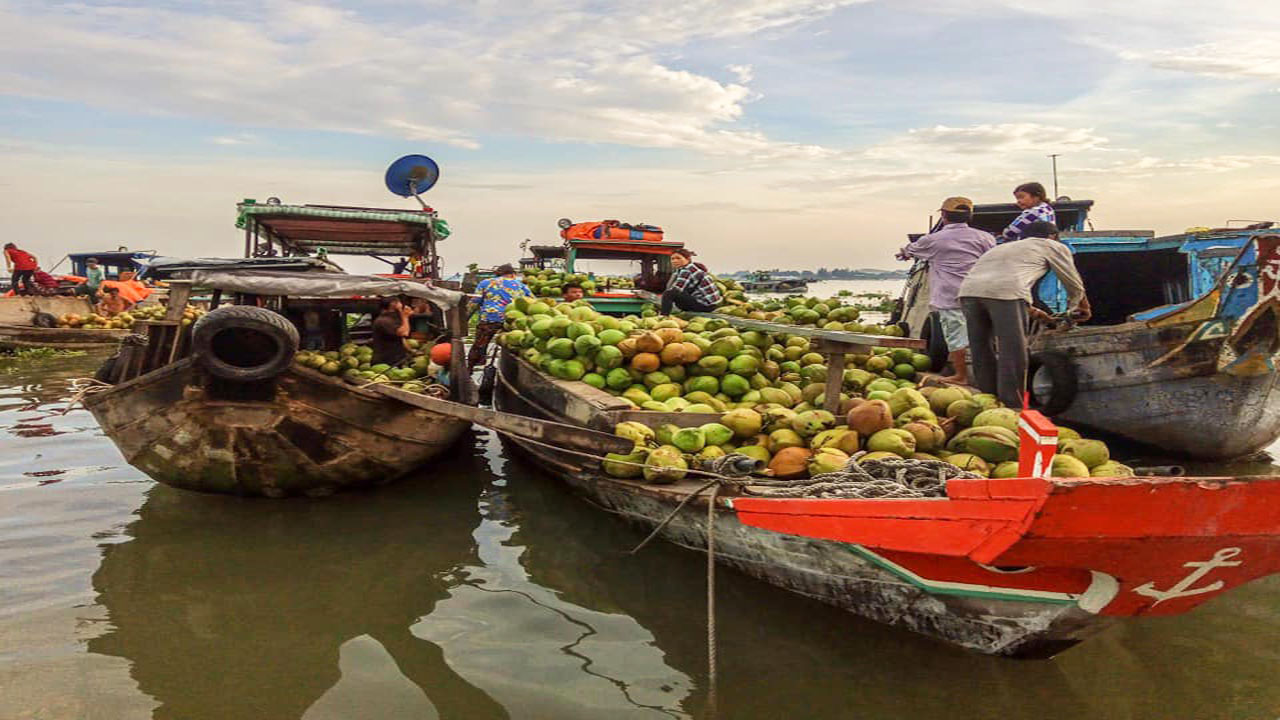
(744,423)
(987,401)
(964,411)
(663,433)
(689,440)
(1090,452)
(827,460)
(916,414)
(1006,418)
(991,443)
(1068,466)
(638,433)
(941,398)
(665,465)
(880,455)
(1006,469)
(812,422)
(970,463)
(894,440)
(716,433)
(615,467)
(840,438)
(1111,468)
(904,399)
(785,438)
(757,452)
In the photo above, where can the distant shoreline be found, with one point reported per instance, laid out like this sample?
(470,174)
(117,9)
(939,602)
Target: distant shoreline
(823,274)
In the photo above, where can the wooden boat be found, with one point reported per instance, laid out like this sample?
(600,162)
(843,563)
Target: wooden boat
(1181,352)
(1023,567)
(21,337)
(762,282)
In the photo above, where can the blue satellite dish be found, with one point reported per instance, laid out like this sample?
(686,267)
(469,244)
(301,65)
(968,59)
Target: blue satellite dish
(412,174)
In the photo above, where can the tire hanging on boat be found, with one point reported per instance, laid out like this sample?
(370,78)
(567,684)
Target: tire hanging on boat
(1063,382)
(243,343)
(934,340)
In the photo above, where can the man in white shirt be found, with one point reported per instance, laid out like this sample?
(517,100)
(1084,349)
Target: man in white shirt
(996,299)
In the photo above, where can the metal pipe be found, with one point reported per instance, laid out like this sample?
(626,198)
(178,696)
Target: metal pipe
(1160,471)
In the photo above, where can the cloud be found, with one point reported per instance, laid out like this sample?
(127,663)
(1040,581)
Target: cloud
(1257,59)
(579,71)
(237,139)
(986,139)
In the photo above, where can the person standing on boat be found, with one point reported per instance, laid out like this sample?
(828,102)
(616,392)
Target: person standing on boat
(493,295)
(996,300)
(23,266)
(1034,201)
(950,252)
(690,286)
(93,277)
(390,329)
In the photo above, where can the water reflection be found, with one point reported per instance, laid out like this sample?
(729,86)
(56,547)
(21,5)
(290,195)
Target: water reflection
(232,608)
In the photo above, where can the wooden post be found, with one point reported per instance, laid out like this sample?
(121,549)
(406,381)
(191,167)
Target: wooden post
(179,294)
(459,374)
(835,380)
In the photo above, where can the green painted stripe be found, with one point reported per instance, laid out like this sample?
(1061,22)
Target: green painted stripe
(963,589)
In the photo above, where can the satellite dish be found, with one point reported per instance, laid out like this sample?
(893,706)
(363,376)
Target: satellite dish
(564,223)
(412,175)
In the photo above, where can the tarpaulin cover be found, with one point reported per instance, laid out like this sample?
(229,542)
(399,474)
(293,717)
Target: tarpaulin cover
(341,285)
(170,264)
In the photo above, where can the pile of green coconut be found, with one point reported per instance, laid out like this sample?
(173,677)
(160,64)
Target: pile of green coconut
(971,431)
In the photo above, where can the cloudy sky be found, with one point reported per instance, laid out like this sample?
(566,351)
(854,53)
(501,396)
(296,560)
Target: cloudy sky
(789,133)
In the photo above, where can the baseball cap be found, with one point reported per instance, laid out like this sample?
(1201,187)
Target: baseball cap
(958,203)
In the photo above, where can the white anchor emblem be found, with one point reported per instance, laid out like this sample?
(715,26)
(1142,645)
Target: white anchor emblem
(1184,588)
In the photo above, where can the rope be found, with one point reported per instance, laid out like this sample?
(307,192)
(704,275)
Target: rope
(81,388)
(886,478)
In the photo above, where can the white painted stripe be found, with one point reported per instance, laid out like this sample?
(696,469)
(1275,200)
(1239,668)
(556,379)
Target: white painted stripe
(1101,591)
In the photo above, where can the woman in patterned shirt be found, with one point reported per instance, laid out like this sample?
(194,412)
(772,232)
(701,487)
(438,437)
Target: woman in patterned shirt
(493,296)
(691,286)
(1034,201)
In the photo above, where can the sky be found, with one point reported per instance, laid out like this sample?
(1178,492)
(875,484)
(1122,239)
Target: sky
(762,133)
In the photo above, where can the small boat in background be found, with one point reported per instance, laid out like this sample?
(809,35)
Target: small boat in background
(763,282)
(1180,353)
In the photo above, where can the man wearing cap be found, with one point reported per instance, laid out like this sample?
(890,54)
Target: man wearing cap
(996,298)
(691,286)
(492,296)
(951,252)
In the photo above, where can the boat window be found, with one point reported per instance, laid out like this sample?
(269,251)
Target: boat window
(1120,284)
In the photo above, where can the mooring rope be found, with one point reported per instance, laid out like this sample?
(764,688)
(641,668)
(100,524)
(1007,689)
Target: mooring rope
(81,388)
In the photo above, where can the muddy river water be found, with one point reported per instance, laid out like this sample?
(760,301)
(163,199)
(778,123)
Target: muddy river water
(481,589)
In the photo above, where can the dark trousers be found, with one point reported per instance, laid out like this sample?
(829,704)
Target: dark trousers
(27,278)
(1003,323)
(682,300)
(89,292)
(484,333)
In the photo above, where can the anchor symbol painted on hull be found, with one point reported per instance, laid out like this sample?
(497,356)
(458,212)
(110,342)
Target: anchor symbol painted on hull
(1185,588)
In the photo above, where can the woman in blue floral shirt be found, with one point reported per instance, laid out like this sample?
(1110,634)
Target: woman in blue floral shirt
(493,295)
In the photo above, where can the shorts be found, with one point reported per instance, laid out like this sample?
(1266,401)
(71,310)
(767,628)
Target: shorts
(954,330)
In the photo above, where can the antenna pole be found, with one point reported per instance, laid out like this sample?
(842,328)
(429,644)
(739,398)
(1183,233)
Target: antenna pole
(1054,158)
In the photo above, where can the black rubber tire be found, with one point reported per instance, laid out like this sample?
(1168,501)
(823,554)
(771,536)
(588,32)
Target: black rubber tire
(935,342)
(107,369)
(44,320)
(243,343)
(1064,381)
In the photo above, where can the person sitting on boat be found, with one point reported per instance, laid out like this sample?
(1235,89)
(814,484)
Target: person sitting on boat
(951,251)
(390,329)
(691,286)
(996,299)
(113,304)
(570,292)
(492,296)
(23,266)
(1034,201)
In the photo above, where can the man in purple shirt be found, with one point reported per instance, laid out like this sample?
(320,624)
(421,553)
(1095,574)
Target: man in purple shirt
(950,253)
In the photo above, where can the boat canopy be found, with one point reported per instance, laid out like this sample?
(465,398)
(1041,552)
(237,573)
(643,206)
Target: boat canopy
(163,266)
(313,285)
(306,229)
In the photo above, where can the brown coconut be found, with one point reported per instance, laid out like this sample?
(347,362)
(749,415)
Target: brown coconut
(649,342)
(790,462)
(673,353)
(645,362)
(628,347)
(692,353)
(670,335)
(870,417)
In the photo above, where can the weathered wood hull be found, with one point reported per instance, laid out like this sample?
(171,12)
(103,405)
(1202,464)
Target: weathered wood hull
(314,436)
(18,337)
(1184,406)
(833,572)
(1020,567)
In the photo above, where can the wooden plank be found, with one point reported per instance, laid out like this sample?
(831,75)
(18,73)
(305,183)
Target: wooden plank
(558,434)
(835,379)
(838,336)
(179,294)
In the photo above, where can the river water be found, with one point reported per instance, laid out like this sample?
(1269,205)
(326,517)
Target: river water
(481,589)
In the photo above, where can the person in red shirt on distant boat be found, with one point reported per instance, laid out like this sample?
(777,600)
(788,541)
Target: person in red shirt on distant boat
(23,265)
